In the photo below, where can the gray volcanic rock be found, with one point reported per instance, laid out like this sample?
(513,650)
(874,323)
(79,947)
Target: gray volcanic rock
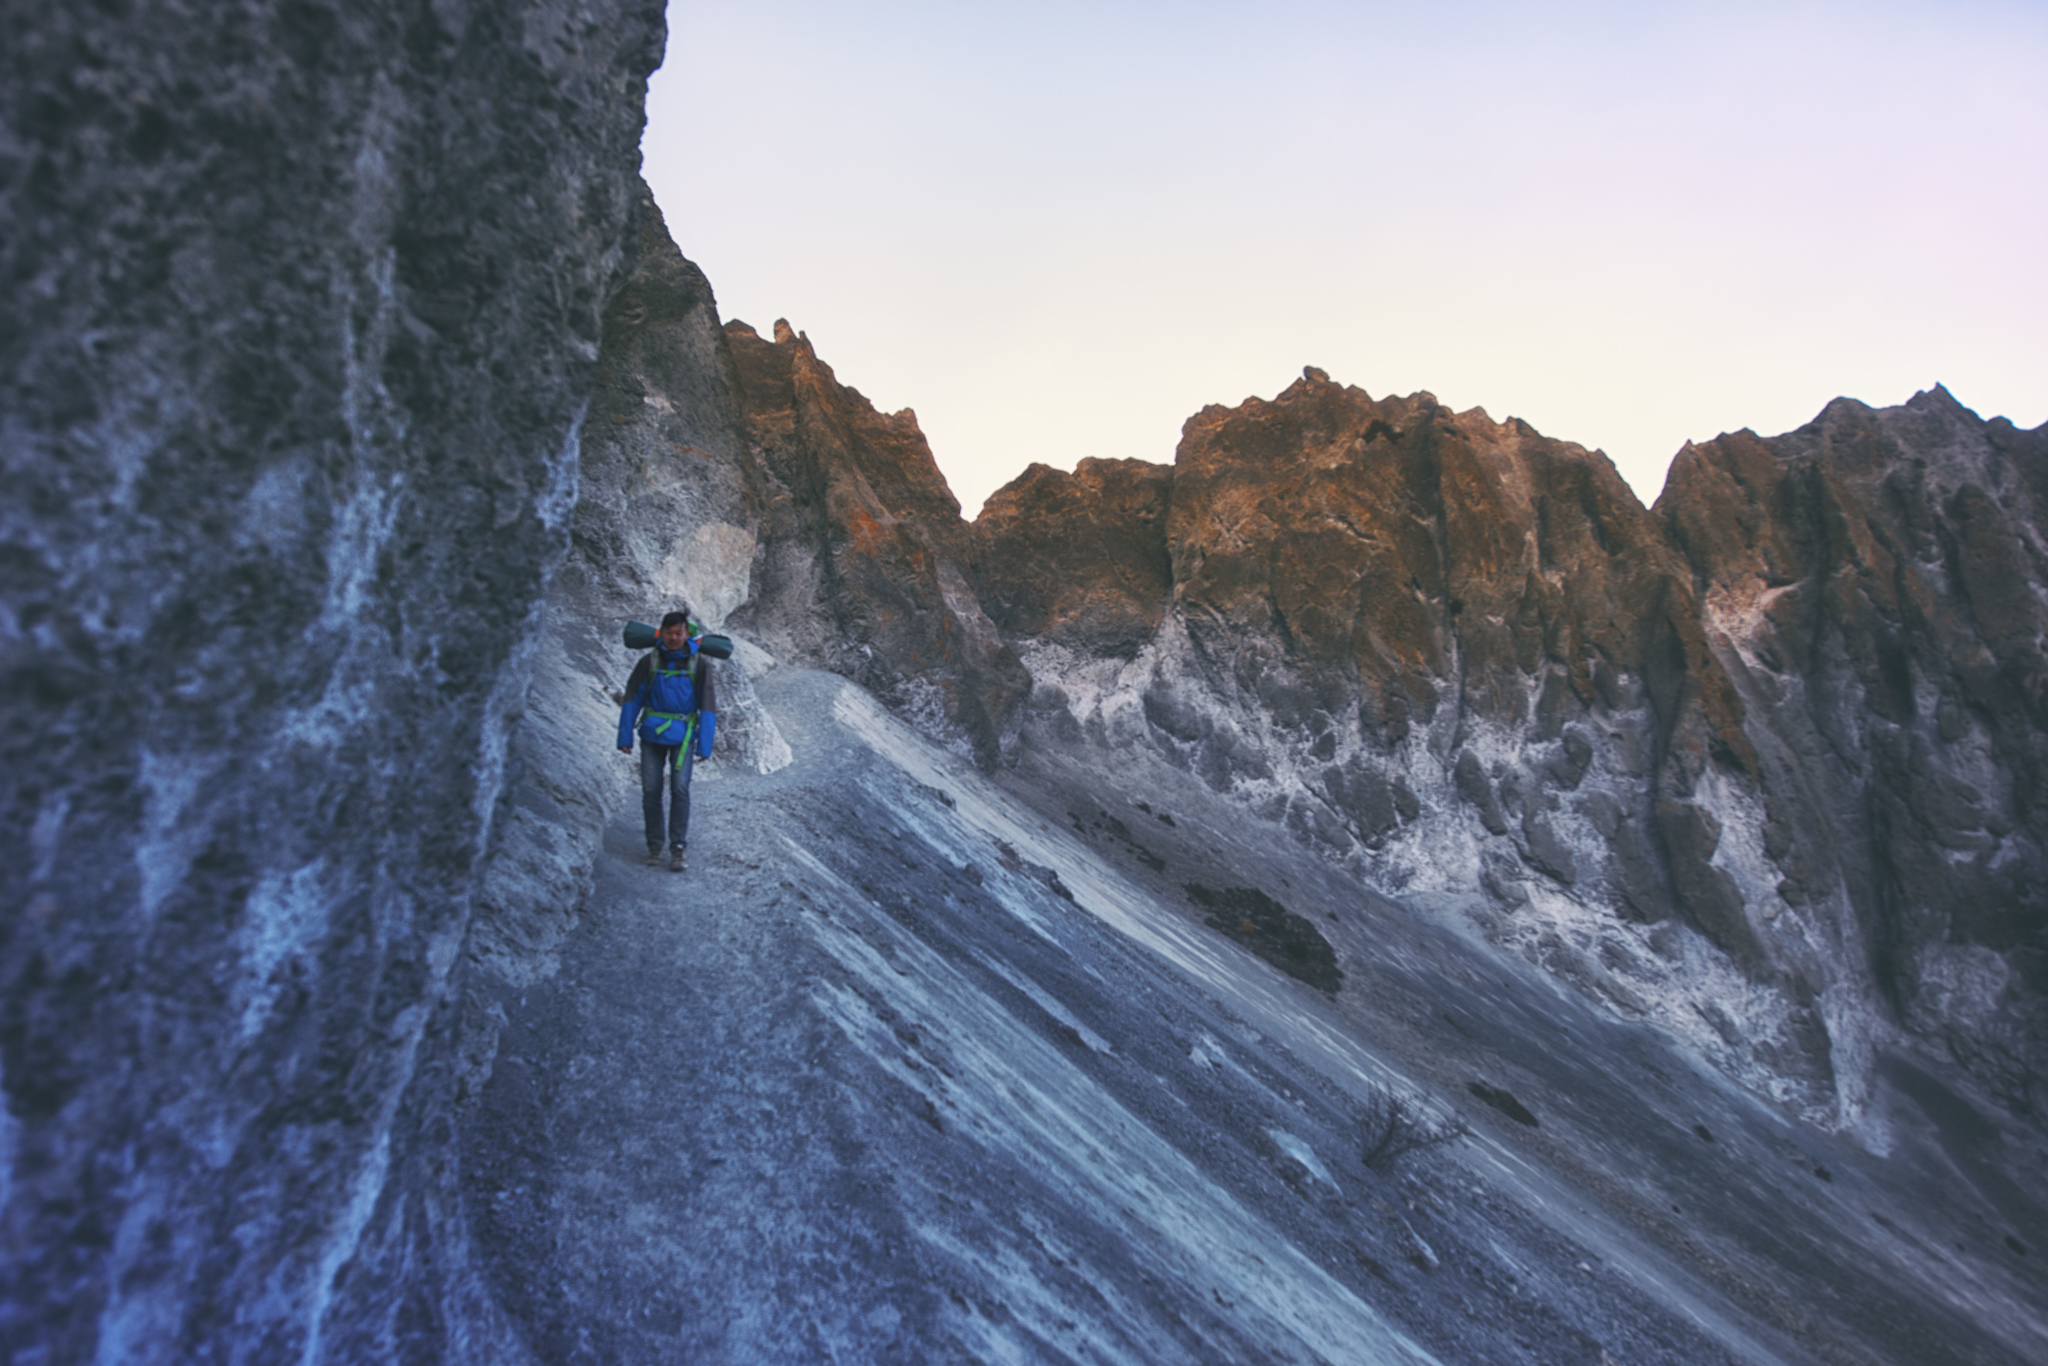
(1874,583)
(667,512)
(303,311)
(1679,755)
(865,561)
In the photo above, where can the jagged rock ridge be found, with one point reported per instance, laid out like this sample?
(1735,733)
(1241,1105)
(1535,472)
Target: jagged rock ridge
(1793,710)
(1462,659)
(864,563)
(1873,584)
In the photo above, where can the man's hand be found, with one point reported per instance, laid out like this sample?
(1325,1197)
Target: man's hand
(625,749)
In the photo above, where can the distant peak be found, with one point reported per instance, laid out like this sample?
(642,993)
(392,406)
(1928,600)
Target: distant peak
(1314,375)
(784,333)
(1937,399)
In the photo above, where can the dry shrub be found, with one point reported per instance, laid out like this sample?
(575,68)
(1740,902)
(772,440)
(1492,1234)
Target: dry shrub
(1392,1126)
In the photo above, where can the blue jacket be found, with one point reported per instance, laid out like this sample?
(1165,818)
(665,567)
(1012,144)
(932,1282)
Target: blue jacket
(670,695)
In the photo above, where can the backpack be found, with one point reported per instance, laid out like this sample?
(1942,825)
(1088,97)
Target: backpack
(675,696)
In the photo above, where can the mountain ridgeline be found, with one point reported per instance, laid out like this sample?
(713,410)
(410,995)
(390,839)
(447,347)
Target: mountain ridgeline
(1763,764)
(1790,720)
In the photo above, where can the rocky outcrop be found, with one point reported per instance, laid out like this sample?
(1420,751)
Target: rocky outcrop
(1876,585)
(1734,765)
(865,561)
(303,309)
(1078,559)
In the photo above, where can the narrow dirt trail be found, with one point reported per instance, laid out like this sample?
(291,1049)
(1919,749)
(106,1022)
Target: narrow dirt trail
(676,1121)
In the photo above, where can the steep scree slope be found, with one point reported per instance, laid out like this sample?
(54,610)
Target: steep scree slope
(911,1068)
(302,313)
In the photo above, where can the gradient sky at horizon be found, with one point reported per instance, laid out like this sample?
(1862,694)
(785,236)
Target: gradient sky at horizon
(1059,231)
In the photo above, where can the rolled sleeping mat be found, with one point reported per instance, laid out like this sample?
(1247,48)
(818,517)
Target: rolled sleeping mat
(641,636)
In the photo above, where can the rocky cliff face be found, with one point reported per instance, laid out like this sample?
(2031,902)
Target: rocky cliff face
(1875,585)
(1736,765)
(332,454)
(864,562)
(303,310)
(668,512)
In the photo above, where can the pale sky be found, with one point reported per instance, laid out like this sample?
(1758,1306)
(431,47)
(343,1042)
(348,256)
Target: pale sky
(1059,230)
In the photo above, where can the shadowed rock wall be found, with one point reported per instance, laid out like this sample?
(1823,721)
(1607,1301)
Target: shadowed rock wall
(668,511)
(1876,586)
(303,310)
(1760,765)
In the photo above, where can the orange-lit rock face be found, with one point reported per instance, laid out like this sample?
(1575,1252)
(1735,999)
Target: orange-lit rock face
(1402,543)
(864,563)
(1796,708)
(1079,559)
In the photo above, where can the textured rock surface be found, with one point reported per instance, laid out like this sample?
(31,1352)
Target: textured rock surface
(303,309)
(865,562)
(1876,583)
(667,512)
(1737,765)
(1078,559)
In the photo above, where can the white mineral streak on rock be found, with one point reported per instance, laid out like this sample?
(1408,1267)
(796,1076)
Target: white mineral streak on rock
(172,834)
(1052,1119)
(712,571)
(1301,1152)
(284,917)
(343,1240)
(557,500)
(362,528)
(1046,1002)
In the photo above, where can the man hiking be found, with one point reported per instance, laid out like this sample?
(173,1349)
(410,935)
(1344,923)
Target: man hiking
(672,696)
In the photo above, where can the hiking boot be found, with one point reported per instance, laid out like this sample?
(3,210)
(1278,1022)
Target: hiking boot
(654,856)
(678,859)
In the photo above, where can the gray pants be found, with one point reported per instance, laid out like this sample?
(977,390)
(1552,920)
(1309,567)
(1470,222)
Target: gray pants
(675,762)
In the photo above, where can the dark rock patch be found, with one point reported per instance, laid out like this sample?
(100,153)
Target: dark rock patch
(1102,826)
(1007,855)
(1505,1102)
(1288,941)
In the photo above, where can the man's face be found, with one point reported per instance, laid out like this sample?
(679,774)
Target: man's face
(672,637)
